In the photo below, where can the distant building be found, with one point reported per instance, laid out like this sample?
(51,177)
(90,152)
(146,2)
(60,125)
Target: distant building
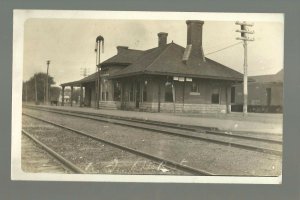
(265,94)
(166,78)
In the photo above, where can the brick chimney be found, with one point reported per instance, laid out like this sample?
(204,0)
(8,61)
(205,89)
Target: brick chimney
(194,50)
(121,48)
(162,38)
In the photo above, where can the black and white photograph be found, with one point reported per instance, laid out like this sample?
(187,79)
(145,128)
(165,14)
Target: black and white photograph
(147,96)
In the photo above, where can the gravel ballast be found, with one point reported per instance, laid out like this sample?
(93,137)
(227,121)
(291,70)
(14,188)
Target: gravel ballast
(218,159)
(93,156)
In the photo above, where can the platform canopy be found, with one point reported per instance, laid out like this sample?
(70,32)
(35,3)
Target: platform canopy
(90,78)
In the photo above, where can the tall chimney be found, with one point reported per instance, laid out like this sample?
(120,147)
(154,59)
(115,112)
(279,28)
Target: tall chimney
(121,48)
(194,50)
(162,38)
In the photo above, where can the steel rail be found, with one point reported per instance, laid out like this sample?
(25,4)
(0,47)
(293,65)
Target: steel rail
(68,164)
(157,159)
(208,130)
(166,124)
(221,142)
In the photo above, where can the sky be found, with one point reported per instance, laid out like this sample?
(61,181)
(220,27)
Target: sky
(69,44)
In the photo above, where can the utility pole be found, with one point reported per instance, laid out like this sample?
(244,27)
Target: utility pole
(47,90)
(99,40)
(244,31)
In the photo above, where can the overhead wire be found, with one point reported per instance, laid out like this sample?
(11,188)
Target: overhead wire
(227,47)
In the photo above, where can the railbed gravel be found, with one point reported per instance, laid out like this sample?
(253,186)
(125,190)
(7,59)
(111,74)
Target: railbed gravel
(215,158)
(34,159)
(93,156)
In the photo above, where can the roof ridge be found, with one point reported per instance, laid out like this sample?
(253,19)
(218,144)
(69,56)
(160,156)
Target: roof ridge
(134,50)
(168,46)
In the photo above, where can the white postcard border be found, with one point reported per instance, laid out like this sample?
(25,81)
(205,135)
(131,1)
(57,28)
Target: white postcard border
(20,17)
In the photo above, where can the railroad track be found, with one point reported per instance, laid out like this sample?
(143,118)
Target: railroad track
(159,160)
(265,145)
(209,130)
(66,163)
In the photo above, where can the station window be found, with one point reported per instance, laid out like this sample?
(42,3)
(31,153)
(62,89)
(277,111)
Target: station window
(215,96)
(168,93)
(117,91)
(232,94)
(194,87)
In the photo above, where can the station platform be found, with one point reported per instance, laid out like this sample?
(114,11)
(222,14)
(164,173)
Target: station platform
(251,122)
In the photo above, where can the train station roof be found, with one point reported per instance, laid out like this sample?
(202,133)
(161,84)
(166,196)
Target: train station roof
(167,60)
(125,56)
(162,60)
(90,78)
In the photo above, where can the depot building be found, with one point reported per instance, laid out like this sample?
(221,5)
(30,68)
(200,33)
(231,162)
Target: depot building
(166,78)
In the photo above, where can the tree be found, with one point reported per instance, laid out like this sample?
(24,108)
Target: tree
(35,87)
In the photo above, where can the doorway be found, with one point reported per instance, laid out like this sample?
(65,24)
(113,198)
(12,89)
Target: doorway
(268,96)
(137,95)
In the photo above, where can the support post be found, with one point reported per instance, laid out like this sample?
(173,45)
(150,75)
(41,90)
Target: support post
(71,99)
(158,97)
(100,94)
(81,95)
(63,96)
(96,93)
(173,94)
(98,86)
(121,95)
(228,99)
(183,92)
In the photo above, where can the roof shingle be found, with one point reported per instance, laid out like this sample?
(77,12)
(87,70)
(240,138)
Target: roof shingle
(127,56)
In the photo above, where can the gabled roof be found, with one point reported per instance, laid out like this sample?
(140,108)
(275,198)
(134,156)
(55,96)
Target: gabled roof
(163,60)
(167,60)
(276,78)
(126,56)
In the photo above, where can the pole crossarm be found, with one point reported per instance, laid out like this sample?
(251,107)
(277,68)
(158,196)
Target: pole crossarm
(245,39)
(244,23)
(245,31)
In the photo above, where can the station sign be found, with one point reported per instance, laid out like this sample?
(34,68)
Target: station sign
(182,79)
